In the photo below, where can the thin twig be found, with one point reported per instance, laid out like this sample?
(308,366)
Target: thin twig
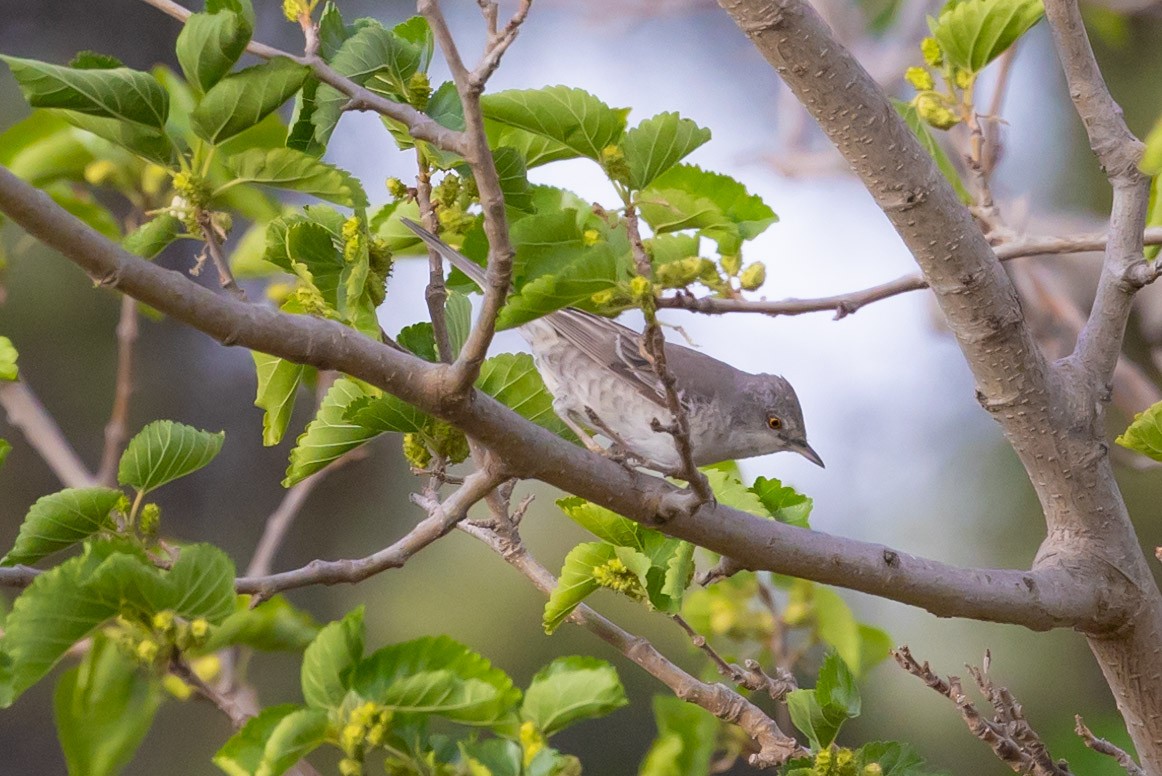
(1102,746)
(498,43)
(436,294)
(846,304)
(26,413)
(181,669)
(214,237)
(117,429)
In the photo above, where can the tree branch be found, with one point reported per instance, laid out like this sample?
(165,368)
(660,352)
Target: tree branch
(1100,745)
(1045,598)
(26,413)
(117,429)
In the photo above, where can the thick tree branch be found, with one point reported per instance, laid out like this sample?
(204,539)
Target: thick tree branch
(26,413)
(1041,599)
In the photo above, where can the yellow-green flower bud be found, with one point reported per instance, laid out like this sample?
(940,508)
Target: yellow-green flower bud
(873,769)
(920,78)
(683,272)
(100,172)
(731,263)
(199,629)
(419,89)
(614,575)
(163,622)
(192,189)
(963,78)
(278,292)
(350,767)
(415,451)
(449,442)
(531,741)
(376,734)
(123,504)
(294,10)
(351,737)
(150,520)
(602,297)
(147,650)
(934,109)
(932,53)
(176,687)
(154,179)
(753,276)
(614,163)
(397,189)
(590,237)
(207,667)
(447,191)
(640,287)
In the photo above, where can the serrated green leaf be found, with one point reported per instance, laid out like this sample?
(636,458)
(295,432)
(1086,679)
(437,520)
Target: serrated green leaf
(730,491)
(685,742)
(973,33)
(60,520)
(9,371)
(164,451)
(243,8)
(242,99)
(514,179)
(103,709)
(783,502)
(576,581)
(893,757)
(275,625)
(278,381)
(811,719)
(437,675)
(294,737)
(387,413)
(330,434)
(1144,434)
(678,575)
(329,660)
(657,144)
(200,584)
(150,143)
(152,237)
(836,688)
(601,522)
(243,753)
(663,566)
(570,118)
(571,689)
(513,380)
(919,128)
(116,93)
(666,248)
(596,268)
(209,45)
(286,168)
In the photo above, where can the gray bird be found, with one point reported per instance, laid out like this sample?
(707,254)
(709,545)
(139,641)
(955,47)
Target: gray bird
(597,374)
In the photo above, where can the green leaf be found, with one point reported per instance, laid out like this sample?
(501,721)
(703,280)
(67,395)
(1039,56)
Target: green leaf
(513,380)
(436,675)
(514,179)
(836,688)
(275,625)
(147,142)
(893,757)
(601,522)
(783,502)
(973,33)
(56,611)
(820,712)
(152,237)
(286,168)
(200,584)
(595,268)
(242,99)
(329,660)
(919,127)
(82,205)
(44,148)
(330,434)
(1151,163)
(1154,214)
(663,566)
(1143,435)
(269,744)
(103,709)
(387,413)
(164,451)
(811,719)
(686,739)
(571,689)
(572,119)
(209,45)
(730,491)
(60,520)
(718,206)
(657,144)
(576,581)
(835,624)
(8,355)
(243,8)
(117,93)
(278,381)
(5,449)
(874,647)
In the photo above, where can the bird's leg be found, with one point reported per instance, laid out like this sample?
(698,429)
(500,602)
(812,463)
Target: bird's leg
(566,415)
(620,450)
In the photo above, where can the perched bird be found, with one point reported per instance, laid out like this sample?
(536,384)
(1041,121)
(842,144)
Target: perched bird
(598,375)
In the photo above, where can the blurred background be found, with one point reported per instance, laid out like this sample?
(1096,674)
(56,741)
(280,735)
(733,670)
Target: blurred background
(912,461)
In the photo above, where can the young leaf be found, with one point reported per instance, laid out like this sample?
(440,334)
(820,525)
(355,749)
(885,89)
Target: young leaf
(657,144)
(601,522)
(242,99)
(278,380)
(812,719)
(688,197)
(594,269)
(1145,433)
(8,355)
(387,413)
(835,624)
(330,434)
(147,142)
(164,451)
(874,647)
(919,127)
(571,689)
(576,581)
(329,660)
(270,743)
(61,520)
(199,585)
(686,739)
(117,93)
(103,709)
(275,625)
(783,502)
(286,168)
(514,179)
(571,118)
(836,688)
(513,380)
(975,32)
(893,757)
(243,8)
(152,237)
(729,490)
(209,45)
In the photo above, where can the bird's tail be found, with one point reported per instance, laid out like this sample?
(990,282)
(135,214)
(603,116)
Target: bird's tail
(454,257)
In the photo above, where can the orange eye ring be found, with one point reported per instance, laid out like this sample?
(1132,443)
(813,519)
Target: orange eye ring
(774,422)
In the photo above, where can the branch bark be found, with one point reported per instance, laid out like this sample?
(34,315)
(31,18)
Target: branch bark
(26,413)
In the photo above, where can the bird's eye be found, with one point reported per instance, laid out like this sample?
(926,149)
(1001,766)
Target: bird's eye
(774,422)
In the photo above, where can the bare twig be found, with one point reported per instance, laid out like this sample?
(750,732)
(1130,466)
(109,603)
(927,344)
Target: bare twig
(498,42)
(1009,734)
(1102,746)
(117,429)
(213,236)
(752,677)
(227,705)
(26,413)
(846,304)
(436,294)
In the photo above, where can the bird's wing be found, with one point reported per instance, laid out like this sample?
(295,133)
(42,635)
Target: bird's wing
(458,260)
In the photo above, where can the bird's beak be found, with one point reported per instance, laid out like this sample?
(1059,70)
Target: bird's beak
(805,450)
